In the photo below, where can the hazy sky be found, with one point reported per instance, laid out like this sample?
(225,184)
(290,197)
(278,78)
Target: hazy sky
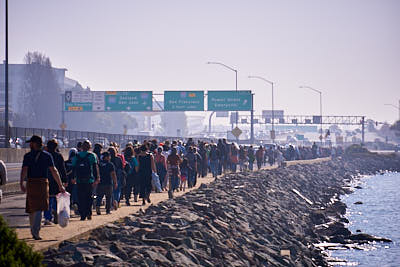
(349,49)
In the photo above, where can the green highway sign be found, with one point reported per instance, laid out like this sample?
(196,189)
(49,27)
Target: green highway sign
(230,101)
(128,101)
(108,101)
(184,100)
(79,100)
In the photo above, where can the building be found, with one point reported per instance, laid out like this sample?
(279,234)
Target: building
(16,74)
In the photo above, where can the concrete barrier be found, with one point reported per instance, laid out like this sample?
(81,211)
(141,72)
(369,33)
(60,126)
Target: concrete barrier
(15,155)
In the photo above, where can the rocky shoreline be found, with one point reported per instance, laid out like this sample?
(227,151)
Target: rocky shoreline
(265,218)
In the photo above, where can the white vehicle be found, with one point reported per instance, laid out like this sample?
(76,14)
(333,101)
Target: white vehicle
(3,176)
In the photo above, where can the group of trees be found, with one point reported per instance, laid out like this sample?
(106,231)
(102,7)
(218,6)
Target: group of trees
(40,95)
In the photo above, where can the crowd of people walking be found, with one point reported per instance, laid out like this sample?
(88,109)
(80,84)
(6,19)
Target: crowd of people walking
(113,175)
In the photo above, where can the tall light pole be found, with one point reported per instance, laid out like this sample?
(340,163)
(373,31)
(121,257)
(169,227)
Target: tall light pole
(320,104)
(397,107)
(6,128)
(273,115)
(236,84)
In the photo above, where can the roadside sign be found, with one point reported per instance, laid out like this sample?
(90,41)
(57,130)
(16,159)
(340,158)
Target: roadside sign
(128,101)
(63,126)
(317,119)
(278,114)
(184,100)
(236,132)
(108,101)
(230,101)
(78,101)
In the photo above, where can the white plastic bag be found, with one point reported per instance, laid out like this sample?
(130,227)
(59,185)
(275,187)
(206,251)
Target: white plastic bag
(156,182)
(63,210)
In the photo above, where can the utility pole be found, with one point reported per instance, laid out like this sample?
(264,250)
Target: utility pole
(362,130)
(252,120)
(6,123)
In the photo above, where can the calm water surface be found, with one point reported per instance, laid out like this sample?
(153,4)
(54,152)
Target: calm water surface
(378,215)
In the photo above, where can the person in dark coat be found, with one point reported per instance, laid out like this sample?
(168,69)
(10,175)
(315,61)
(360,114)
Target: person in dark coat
(51,213)
(146,167)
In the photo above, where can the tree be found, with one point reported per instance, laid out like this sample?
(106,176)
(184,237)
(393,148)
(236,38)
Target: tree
(15,252)
(40,94)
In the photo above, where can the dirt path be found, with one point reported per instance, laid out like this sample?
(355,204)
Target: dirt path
(54,234)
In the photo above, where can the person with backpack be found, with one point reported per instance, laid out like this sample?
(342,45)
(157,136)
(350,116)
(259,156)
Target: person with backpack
(108,181)
(132,180)
(58,159)
(87,177)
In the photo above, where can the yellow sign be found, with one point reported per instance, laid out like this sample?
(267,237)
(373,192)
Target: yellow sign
(236,132)
(75,108)
(63,126)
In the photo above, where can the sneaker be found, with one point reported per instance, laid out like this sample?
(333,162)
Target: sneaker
(115,204)
(55,216)
(47,222)
(98,210)
(108,212)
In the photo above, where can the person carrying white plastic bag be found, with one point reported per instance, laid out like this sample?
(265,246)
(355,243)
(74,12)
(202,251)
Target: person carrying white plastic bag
(63,210)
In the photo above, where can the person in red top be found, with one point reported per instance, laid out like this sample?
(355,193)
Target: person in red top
(173,162)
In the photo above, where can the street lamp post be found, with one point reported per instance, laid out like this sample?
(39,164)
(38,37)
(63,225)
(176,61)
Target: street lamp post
(236,84)
(397,107)
(273,115)
(6,124)
(320,104)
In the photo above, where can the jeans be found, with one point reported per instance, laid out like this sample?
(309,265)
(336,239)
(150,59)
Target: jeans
(215,167)
(48,214)
(85,199)
(104,190)
(117,192)
(251,165)
(35,219)
(175,182)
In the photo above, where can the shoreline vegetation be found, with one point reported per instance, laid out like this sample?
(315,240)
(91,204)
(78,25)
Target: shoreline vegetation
(276,217)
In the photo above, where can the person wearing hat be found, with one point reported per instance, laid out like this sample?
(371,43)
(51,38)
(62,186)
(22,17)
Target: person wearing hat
(35,169)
